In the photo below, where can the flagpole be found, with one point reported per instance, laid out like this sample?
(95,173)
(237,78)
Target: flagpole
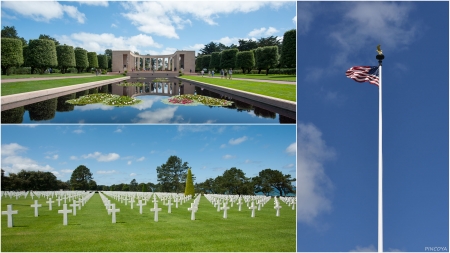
(380,58)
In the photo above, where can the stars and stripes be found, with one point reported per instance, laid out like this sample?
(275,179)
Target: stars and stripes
(364,74)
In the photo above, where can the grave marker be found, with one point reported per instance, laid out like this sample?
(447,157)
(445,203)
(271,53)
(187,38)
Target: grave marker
(36,206)
(74,205)
(65,211)
(193,210)
(49,202)
(169,204)
(10,212)
(253,207)
(224,208)
(278,207)
(156,210)
(113,210)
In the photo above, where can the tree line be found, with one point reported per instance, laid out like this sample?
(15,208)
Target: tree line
(265,53)
(171,177)
(46,52)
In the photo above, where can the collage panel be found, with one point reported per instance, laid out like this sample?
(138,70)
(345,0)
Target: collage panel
(149,126)
(398,54)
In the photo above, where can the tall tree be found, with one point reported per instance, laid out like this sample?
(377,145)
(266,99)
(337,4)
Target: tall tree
(288,53)
(47,37)
(81,59)
(102,61)
(228,58)
(269,180)
(210,48)
(66,57)
(266,58)
(42,54)
(133,185)
(198,63)
(172,174)
(206,59)
(80,178)
(189,189)
(269,41)
(10,32)
(214,63)
(245,60)
(108,52)
(235,182)
(247,45)
(92,59)
(12,54)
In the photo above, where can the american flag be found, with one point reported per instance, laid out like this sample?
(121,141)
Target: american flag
(364,74)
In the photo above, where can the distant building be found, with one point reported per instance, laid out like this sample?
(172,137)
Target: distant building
(126,60)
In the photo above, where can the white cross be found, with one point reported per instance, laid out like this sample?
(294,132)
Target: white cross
(140,204)
(239,203)
(156,210)
(176,202)
(65,211)
(225,208)
(277,206)
(74,205)
(10,212)
(49,202)
(59,200)
(132,201)
(113,210)
(218,206)
(126,200)
(36,206)
(253,207)
(193,209)
(64,198)
(169,204)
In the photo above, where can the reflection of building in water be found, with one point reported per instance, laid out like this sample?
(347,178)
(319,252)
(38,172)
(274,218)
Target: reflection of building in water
(126,60)
(170,88)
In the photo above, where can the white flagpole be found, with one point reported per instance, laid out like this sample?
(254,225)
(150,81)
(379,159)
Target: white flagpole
(380,57)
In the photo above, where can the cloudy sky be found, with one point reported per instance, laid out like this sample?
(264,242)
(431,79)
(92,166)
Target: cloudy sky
(338,126)
(117,154)
(149,27)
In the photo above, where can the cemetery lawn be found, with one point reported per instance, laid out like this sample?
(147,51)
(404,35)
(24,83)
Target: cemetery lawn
(287,78)
(92,230)
(283,91)
(27,86)
(44,75)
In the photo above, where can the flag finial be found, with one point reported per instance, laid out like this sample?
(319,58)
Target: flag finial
(380,55)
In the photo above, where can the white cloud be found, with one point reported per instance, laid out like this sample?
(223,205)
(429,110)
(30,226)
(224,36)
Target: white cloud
(289,166)
(129,162)
(78,131)
(164,18)
(133,174)
(238,140)
(12,149)
(44,11)
(14,164)
(294,20)
(140,159)
(113,25)
(106,172)
(227,157)
(370,248)
(73,157)
(101,157)
(305,14)
(223,146)
(227,41)
(292,149)
(93,42)
(94,3)
(53,157)
(263,32)
(313,185)
(158,116)
(66,171)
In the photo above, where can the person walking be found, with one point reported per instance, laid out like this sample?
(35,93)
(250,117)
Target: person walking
(221,74)
(230,72)
(212,73)
(203,72)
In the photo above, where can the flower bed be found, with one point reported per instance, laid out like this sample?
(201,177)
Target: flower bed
(188,99)
(107,99)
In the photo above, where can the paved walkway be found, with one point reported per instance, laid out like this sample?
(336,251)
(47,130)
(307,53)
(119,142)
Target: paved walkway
(248,79)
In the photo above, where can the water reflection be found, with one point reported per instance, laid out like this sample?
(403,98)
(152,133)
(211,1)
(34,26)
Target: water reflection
(151,110)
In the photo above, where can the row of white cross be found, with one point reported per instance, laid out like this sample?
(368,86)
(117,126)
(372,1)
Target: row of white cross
(83,199)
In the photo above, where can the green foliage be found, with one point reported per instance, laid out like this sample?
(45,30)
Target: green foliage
(42,54)
(133,185)
(10,32)
(245,60)
(235,182)
(228,58)
(288,53)
(198,63)
(102,61)
(92,59)
(189,189)
(209,48)
(269,41)
(172,174)
(47,37)
(14,115)
(269,179)
(247,45)
(12,54)
(214,62)
(80,178)
(81,59)
(205,61)
(31,181)
(66,57)
(266,57)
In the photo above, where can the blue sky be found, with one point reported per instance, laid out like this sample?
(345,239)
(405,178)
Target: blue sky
(149,27)
(337,178)
(119,153)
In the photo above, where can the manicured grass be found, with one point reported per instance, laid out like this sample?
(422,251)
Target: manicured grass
(27,86)
(288,78)
(44,75)
(92,230)
(283,91)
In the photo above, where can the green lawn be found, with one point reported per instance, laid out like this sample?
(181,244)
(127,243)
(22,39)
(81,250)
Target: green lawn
(283,91)
(288,78)
(44,75)
(27,86)
(92,230)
